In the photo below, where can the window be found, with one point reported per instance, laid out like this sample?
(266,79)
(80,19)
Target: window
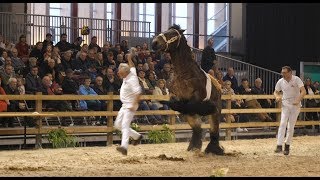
(180,15)
(216,16)
(109,11)
(146,14)
(58,25)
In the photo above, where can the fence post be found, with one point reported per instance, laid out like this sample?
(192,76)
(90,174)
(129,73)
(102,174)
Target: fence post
(110,120)
(228,120)
(172,121)
(38,122)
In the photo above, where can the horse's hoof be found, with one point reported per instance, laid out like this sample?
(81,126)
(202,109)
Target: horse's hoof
(193,149)
(215,150)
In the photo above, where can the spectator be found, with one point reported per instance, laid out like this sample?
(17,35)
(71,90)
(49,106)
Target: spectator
(91,57)
(33,81)
(59,105)
(208,56)
(235,104)
(13,105)
(99,61)
(100,90)
(70,86)
(84,49)
(93,44)
(85,89)
(110,62)
(147,89)
(111,81)
(3,57)
(152,79)
(37,53)
(165,73)
(67,61)
(81,64)
(76,46)
(63,45)
(17,63)
(2,44)
(252,103)
(23,48)
(105,50)
(161,89)
(119,60)
(48,53)
(124,46)
(3,105)
(162,62)
(46,42)
(257,89)
(7,73)
(234,82)
(311,103)
(56,55)
(92,72)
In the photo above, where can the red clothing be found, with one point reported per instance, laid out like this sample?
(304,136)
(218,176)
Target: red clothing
(23,50)
(3,104)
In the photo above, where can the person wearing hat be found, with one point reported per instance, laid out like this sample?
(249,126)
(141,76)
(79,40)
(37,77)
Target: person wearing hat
(23,48)
(46,42)
(76,46)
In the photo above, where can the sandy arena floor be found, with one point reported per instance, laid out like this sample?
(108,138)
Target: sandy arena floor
(243,158)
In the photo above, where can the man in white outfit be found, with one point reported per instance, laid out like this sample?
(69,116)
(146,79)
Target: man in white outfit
(129,95)
(293,92)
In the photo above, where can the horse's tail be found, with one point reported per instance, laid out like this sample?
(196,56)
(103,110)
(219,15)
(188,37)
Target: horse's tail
(216,83)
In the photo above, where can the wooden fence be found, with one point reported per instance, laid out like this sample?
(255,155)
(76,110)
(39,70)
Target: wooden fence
(38,130)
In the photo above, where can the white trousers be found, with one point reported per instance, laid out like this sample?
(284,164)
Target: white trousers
(289,115)
(122,122)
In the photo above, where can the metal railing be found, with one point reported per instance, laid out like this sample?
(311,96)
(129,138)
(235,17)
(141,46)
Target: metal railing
(245,70)
(35,27)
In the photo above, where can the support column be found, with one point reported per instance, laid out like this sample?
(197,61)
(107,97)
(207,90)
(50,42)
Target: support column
(196,25)
(74,22)
(117,24)
(158,10)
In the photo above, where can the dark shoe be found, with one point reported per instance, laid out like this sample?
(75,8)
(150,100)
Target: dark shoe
(122,150)
(136,142)
(278,149)
(286,149)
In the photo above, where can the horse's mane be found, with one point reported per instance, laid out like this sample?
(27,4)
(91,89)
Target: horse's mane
(175,26)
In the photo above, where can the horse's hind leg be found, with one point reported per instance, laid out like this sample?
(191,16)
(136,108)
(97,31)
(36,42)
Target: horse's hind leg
(213,146)
(196,141)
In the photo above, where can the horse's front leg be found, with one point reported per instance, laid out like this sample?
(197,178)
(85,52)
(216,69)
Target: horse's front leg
(213,146)
(195,123)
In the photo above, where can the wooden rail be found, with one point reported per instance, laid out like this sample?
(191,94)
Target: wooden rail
(38,114)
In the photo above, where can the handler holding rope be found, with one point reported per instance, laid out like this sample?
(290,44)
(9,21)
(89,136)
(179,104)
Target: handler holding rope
(129,95)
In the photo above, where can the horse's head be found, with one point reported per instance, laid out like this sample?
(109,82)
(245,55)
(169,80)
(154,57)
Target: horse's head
(168,39)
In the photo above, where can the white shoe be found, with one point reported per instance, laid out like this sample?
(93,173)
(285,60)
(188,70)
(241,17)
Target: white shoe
(239,130)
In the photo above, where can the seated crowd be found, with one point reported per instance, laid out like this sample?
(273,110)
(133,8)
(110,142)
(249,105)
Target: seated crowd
(76,68)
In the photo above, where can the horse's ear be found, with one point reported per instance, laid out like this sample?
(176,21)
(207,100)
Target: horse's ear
(181,31)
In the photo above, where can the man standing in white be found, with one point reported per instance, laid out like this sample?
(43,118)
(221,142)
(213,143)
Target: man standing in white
(293,92)
(129,95)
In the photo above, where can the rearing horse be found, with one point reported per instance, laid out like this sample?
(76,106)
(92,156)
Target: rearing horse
(193,91)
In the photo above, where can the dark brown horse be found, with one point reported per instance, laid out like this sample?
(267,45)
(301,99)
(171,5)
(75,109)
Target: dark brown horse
(188,89)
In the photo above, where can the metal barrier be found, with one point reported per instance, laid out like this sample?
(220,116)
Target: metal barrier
(245,70)
(35,27)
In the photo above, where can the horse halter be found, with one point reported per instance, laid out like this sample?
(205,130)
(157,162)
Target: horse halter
(173,39)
